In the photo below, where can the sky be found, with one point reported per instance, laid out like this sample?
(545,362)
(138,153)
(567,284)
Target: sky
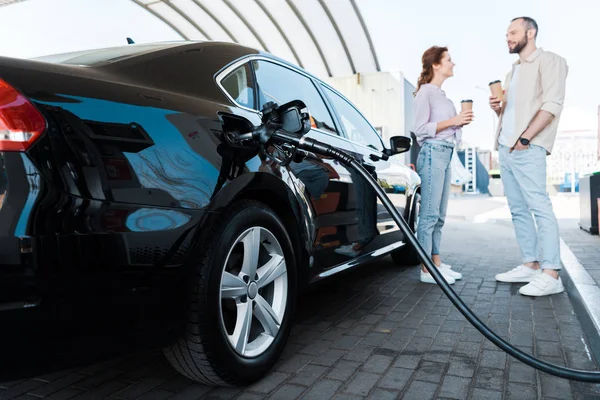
(473,30)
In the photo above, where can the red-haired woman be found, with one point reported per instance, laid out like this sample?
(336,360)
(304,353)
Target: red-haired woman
(438,129)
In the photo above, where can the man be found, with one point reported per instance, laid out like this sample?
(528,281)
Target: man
(529,114)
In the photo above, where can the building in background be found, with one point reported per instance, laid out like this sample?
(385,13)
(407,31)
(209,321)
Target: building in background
(384,98)
(575,154)
(575,151)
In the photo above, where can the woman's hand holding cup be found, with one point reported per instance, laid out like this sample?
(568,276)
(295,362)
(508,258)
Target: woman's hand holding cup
(466,115)
(464,118)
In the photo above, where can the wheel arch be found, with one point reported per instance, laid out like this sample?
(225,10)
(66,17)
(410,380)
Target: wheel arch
(277,203)
(280,196)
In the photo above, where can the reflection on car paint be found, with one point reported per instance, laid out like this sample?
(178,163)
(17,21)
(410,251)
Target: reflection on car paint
(168,164)
(359,260)
(151,219)
(33,180)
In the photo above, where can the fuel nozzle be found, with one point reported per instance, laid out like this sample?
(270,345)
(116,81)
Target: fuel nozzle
(270,123)
(284,124)
(270,112)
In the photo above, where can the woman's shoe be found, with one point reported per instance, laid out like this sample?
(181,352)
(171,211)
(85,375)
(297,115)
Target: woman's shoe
(448,271)
(426,277)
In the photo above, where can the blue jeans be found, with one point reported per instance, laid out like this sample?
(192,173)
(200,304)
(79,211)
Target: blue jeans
(433,166)
(523,174)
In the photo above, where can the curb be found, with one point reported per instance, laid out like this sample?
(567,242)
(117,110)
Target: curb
(585,296)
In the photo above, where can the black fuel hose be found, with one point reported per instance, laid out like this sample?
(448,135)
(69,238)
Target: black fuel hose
(346,159)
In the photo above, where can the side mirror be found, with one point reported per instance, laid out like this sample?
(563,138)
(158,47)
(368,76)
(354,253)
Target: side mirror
(398,145)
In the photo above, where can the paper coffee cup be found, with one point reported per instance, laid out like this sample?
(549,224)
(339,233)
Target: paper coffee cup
(496,89)
(466,105)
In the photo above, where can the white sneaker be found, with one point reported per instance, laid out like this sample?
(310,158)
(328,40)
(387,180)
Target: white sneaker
(542,285)
(426,277)
(519,275)
(447,269)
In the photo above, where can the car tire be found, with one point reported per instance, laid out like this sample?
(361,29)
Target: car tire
(238,324)
(407,256)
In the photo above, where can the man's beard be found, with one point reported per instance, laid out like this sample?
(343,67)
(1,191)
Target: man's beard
(520,46)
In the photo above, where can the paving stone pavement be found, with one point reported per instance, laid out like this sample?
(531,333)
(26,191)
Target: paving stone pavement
(379,333)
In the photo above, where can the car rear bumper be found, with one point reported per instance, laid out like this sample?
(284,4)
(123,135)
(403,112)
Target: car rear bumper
(56,246)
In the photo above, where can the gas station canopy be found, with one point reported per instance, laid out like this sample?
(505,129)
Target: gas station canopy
(6,2)
(329,38)
(325,37)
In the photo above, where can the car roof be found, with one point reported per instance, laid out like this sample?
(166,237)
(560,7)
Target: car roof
(110,55)
(114,54)
(105,55)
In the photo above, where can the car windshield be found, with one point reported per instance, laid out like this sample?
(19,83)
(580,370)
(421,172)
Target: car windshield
(106,55)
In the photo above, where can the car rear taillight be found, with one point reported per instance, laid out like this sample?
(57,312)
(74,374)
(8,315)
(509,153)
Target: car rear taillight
(21,124)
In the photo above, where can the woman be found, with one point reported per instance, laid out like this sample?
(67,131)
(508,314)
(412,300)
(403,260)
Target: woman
(438,129)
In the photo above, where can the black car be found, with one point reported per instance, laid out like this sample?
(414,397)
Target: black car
(117,185)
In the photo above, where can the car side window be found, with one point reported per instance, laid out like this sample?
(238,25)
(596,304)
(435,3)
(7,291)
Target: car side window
(240,86)
(358,129)
(280,84)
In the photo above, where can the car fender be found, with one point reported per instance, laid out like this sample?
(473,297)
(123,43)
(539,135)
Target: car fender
(277,192)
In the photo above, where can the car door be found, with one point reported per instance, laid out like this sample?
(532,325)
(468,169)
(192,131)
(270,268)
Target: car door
(327,185)
(376,227)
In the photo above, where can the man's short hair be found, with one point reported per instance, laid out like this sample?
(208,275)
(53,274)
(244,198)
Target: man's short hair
(529,23)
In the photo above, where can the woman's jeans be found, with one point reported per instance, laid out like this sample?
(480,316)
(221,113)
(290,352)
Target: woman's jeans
(434,168)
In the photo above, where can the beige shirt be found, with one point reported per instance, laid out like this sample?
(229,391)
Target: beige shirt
(540,86)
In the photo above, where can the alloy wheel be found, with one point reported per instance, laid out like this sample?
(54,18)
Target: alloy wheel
(253,292)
